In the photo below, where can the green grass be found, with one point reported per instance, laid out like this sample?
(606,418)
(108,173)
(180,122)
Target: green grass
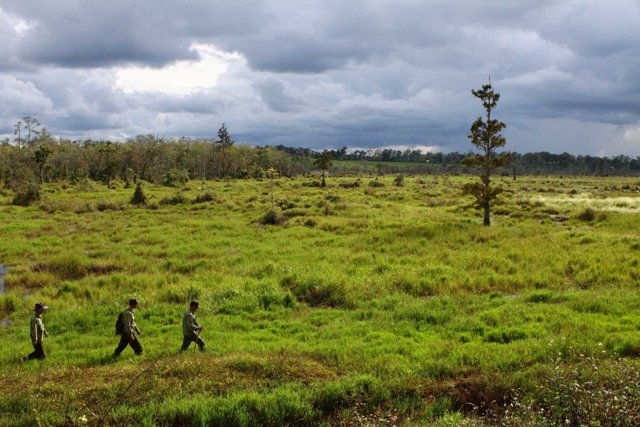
(369,304)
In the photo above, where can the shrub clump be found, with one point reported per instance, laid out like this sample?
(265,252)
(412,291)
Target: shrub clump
(27,196)
(138,198)
(273,216)
(354,184)
(589,215)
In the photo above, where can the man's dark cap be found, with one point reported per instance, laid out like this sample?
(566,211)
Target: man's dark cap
(40,306)
(133,301)
(194,303)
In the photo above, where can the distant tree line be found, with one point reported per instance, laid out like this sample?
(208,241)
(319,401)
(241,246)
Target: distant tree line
(536,163)
(35,156)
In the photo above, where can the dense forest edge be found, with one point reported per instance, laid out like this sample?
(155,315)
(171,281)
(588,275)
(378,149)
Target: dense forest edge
(35,157)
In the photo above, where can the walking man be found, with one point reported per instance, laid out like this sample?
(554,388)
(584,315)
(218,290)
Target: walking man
(38,332)
(190,327)
(128,330)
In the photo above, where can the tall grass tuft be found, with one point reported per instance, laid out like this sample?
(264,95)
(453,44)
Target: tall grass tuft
(319,292)
(65,267)
(31,280)
(283,406)
(9,303)
(334,396)
(589,214)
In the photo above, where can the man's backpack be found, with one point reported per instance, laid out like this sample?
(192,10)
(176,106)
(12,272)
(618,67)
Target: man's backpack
(120,324)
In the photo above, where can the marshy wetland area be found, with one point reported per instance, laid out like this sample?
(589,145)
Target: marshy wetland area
(374,301)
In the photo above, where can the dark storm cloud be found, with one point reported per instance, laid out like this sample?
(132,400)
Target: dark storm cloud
(91,34)
(273,93)
(102,36)
(330,35)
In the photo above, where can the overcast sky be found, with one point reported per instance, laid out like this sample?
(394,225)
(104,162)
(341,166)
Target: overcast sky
(326,73)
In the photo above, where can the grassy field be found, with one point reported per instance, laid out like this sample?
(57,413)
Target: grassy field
(369,304)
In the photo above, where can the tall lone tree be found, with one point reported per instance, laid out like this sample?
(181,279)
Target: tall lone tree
(224,142)
(324,162)
(485,136)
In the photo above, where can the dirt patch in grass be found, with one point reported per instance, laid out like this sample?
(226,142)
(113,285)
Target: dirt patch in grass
(477,394)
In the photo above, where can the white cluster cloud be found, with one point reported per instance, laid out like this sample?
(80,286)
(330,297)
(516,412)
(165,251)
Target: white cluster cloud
(326,73)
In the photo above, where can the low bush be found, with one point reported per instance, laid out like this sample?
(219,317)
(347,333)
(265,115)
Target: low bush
(589,215)
(273,217)
(352,184)
(28,196)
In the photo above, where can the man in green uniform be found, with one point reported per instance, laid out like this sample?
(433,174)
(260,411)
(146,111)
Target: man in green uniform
(129,331)
(190,328)
(37,332)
